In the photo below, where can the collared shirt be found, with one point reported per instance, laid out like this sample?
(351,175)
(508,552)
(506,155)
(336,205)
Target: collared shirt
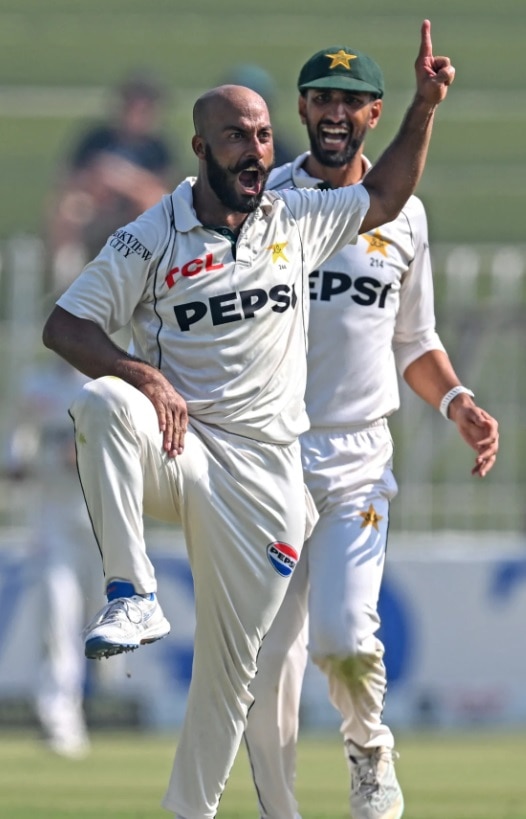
(372,312)
(228,333)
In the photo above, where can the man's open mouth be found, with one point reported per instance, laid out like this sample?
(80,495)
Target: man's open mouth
(250,181)
(333,137)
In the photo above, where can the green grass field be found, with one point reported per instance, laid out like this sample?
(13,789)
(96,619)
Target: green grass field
(444,776)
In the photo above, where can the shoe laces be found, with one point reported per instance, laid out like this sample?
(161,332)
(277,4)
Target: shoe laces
(114,610)
(365,770)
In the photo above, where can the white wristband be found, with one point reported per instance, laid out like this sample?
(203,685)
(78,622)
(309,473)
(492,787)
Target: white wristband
(449,396)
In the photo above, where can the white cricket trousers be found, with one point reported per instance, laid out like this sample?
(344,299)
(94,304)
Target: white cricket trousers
(242,505)
(337,583)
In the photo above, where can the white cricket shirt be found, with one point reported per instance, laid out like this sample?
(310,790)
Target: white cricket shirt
(372,311)
(228,333)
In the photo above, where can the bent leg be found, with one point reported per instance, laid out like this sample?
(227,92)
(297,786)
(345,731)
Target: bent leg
(122,470)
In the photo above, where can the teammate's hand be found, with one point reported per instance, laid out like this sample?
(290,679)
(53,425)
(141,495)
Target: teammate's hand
(434,75)
(481,431)
(171,411)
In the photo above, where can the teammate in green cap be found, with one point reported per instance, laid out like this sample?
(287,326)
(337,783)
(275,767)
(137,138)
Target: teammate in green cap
(371,314)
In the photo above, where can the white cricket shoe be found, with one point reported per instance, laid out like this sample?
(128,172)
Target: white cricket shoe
(123,625)
(375,792)
(71,747)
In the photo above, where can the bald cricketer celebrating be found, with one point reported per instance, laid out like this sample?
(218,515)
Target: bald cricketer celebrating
(199,421)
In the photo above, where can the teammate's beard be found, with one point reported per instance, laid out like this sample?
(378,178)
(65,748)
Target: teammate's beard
(334,159)
(223,185)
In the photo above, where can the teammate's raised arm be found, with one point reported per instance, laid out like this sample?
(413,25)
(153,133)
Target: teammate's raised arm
(398,171)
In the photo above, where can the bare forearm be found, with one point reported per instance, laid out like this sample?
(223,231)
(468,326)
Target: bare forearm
(87,348)
(395,176)
(431,376)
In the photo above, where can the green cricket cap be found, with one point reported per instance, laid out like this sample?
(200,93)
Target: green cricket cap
(343,68)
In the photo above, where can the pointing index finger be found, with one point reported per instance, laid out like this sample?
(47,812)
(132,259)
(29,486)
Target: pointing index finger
(426,47)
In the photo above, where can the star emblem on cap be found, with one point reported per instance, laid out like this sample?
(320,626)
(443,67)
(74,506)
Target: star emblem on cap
(370,518)
(278,251)
(376,242)
(341,58)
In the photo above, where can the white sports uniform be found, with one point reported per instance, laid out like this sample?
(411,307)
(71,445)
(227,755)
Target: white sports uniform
(372,312)
(42,446)
(226,322)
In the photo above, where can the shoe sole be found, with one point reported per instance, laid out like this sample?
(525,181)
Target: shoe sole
(98,647)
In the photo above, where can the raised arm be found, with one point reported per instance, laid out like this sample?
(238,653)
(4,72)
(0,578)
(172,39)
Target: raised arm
(397,172)
(89,349)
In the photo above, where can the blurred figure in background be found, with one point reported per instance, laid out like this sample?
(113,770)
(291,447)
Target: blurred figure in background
(116,170)
(42,456)
(259,80)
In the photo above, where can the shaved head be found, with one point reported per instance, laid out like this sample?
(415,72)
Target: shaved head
(219,105)
(233,142)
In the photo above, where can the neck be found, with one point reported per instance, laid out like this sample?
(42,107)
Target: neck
(348,174)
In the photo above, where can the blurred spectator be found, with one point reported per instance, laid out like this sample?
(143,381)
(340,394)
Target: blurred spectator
(42,458)
(116,170)
(259,80)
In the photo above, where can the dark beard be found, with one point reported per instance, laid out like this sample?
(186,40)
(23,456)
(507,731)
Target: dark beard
(334,159)
(220,181)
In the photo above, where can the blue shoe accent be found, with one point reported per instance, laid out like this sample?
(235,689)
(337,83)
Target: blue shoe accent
(119,588)
(123,588)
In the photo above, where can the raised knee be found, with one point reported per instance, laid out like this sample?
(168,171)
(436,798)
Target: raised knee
(102,396)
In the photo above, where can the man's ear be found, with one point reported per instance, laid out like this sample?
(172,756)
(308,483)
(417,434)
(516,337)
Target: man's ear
(302,109)
(198,146)
(375,113)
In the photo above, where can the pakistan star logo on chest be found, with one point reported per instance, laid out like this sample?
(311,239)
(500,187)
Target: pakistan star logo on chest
(376,242)
(278,251)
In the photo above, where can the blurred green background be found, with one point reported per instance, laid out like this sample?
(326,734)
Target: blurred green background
(57,56)
(60,58)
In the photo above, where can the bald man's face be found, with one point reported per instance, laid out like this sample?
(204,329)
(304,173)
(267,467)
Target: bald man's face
(237,147)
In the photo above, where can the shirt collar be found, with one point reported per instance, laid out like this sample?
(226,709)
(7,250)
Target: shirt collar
(185,218)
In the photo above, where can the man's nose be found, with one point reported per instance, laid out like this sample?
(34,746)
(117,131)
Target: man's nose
(336,111)
(257,148)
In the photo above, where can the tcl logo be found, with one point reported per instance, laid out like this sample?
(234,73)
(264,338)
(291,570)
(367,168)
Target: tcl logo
(192,268)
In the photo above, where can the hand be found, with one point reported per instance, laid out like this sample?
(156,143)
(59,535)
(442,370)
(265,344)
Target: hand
(434,75)
(171,411)
(481,432)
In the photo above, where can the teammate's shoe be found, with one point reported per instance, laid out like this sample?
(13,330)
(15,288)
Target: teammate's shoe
(124,624)
(375,792)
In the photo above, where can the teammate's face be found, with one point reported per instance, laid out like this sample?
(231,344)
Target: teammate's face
(337,123)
